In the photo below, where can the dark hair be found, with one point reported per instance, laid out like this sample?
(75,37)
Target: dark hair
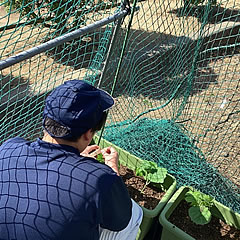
(57,129)
(101,123)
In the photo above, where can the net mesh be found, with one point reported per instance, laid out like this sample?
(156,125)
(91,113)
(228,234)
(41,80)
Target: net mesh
(173,69)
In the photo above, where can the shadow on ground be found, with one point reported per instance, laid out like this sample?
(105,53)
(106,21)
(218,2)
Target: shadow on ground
(216,13)
(77,53)
(165,66)
(161,66)
(155,65)
(20,110)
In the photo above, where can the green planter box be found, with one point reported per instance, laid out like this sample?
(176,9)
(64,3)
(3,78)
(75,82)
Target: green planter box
(131,161)
(170,231)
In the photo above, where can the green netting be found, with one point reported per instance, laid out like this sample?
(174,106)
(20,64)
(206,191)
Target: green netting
(173,69)
(171,147)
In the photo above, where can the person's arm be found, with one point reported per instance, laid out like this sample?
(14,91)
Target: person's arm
(115,203)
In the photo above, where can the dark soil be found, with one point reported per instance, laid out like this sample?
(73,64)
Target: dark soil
(151,195)
(215,230)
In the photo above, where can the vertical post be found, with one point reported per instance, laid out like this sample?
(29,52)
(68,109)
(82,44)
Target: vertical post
(116,30)
(103,74)
(124,44)
(112,44)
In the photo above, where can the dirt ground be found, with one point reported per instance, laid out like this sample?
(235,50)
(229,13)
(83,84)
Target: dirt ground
(211,115)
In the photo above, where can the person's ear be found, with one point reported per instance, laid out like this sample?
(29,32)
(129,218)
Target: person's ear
(88,135)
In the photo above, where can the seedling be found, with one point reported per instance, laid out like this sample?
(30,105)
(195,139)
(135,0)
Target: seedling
(98,155)
(100,158)
(151,173)
(201,204)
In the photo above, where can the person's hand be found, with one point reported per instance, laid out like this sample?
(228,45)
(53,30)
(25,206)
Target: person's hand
(91,151)
(111,158)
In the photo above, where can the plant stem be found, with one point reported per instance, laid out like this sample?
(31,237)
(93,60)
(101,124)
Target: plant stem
(147,182)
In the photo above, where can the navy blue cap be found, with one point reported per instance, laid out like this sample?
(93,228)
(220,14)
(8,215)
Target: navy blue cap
(76,105)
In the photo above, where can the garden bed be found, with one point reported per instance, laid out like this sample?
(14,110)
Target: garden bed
(215,230)
(151,195)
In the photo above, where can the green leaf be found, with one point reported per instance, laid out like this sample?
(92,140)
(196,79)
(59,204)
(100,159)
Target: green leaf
(192,197)
(151,172)
(200,215)
(141,172)
(150,167)
(100,158)
(159,176)
(207,200)
(196,198)
(145,168)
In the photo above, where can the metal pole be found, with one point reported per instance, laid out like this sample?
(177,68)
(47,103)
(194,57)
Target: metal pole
(112,44)
(113,41)
(60,40)
(103,74)
(124,44)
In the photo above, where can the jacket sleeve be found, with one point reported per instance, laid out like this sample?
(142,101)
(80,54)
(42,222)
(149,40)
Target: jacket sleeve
(115,206)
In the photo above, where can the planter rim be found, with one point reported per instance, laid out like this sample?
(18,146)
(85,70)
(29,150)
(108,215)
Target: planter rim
(168,225)
(154,212)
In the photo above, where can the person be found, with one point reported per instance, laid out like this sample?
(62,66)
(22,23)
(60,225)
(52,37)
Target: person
(53,188)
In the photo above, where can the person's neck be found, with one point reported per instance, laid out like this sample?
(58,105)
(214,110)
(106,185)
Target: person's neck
(49,139)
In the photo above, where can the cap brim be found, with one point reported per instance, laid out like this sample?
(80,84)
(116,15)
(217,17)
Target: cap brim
(107,100)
